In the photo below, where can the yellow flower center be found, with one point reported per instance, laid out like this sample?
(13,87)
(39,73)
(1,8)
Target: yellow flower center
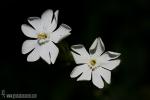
(93,62)
(42,36)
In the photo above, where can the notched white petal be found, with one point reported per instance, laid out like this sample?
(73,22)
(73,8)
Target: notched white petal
(33,56)
(62,32)
(54,21)
(93,46)
(36,23)
(78,70)
(47,15)
(110,65)
(97,79)
(86,75)
(97,48)
(79,59)
(110,55)
(53,51)
(28,31)
(106,74)
(28,45)
(45,54)
(80,49)
(56,15)
(46,19)
(66,27)
(80,54)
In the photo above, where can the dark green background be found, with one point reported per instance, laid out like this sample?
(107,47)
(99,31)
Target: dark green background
(123,25)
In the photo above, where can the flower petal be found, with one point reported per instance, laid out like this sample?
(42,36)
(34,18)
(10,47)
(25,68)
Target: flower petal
(53,51)
(86,75)
(110,65)
(28,31)
(110,55)
(78,70)
(81,55)
(36,23)
(97,79)
(106,74)
(33,56)
(46,19)
(44,53)
(54,21)
(62,32)
(28,45)
(97,48)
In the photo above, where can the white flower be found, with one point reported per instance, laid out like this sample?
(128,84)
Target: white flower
(44,33)
(96,64)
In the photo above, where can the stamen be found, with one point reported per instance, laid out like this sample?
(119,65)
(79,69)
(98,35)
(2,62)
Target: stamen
(42,42)
(42,36)
(93,62)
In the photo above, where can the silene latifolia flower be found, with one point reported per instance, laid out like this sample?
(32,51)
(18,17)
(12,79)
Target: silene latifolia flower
(94,65)
(44,34)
